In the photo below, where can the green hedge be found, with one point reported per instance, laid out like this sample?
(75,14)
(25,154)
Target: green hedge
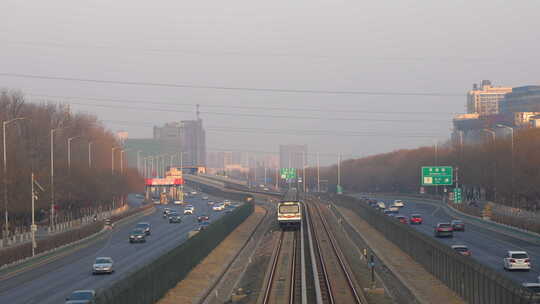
(148,284)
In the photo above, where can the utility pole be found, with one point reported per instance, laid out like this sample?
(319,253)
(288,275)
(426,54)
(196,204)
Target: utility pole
(90,155)
(4,125)
(52,176)
(33,228)
(182,172)
(69,152)
(112,160)
(304,171)
(277,178)
(139,162)
(339,174)
(318,174)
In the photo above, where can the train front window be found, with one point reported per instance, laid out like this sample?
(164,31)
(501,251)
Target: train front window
(289,209)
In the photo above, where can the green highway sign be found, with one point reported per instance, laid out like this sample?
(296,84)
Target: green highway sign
(288,173)
(437,176)
(457,196)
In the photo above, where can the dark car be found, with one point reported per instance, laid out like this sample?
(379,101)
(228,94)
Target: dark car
(416,219)
(462,249)
(204,226)
(402,219)
(203,218)
(458,225)
(146,227)
(175,218)
(81,297)
(137,236)
(444,229)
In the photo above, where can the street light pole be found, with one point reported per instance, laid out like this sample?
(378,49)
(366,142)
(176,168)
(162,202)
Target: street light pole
(494,167)
(139,161)
(318,174)
(182,172)
(52,175)
(511,156)
(339,174)
(4,125)
(304,170)
(69,152)
(90,155)
(112,159)
(122,160)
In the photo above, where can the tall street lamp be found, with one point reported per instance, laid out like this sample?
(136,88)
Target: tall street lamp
(139,161)
(53,131)
(90,154)
(122,160)
(112,159)
(4,125)
(494,167)
(511,156)
(69,151)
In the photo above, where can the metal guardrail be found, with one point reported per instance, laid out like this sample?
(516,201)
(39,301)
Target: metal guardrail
(472,281)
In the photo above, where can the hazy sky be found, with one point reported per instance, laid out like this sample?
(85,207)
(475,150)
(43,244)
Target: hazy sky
(384,47)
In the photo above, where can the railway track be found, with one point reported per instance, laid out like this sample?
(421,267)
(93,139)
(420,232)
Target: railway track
(282,284)
(328,279)
(333,275)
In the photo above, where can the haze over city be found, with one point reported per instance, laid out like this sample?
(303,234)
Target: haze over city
(386,55)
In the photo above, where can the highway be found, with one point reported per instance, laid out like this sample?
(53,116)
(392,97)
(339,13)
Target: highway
(487,246)
(53,282)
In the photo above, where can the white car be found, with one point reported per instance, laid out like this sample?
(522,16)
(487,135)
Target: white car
(517,260)
(218,207)
(210,203)
(178,202)
(103,265)
(394,209)
(398,203)
(189,210)
(205,197)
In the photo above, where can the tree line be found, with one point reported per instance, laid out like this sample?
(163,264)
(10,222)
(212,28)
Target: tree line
(86,182)
(501,169)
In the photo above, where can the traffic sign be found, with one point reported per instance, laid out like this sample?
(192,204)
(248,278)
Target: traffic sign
(437,176)
(457,196)
(288,173)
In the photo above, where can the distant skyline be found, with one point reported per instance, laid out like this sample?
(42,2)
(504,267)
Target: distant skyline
(305,56)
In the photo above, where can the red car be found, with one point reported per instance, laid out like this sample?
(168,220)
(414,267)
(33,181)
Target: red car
(416,219)
(402,219)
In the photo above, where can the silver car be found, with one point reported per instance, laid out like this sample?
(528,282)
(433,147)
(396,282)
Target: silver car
(103,265)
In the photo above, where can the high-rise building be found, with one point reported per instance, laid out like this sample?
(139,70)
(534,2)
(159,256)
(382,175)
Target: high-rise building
(521,99)
(292,156)
(484,99)
(187,136)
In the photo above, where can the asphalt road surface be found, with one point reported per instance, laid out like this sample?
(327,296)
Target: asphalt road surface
(53,282)
(487,246)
